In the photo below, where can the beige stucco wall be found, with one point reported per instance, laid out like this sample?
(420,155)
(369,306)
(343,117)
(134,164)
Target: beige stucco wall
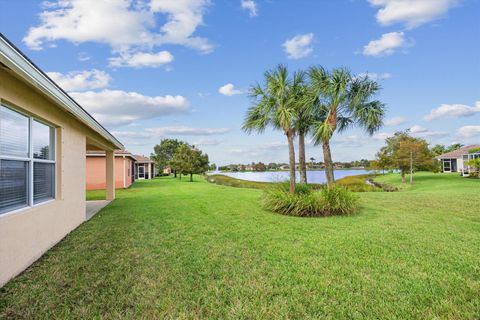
(26,234)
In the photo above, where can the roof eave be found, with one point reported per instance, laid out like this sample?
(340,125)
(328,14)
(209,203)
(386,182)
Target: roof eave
(14,59)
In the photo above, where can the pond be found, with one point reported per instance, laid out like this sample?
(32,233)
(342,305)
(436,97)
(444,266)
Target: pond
(316,176)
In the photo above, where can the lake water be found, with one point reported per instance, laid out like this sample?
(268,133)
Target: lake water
(317,176)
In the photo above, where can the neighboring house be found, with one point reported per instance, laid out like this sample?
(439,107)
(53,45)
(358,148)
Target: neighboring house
(167,170)
(44,138)
(144,168)
(454,161)
(124,169)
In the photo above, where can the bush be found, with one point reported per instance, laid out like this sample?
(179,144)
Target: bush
(307,202)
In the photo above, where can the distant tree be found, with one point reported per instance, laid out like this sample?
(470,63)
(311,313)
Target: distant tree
(273,166)
(212,167)
(164,152)
(438,149)
(189,160)
(454,147)
(312,159)
(260,167)
(408,154)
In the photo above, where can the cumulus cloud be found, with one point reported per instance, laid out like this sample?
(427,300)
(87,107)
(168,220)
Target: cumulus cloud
(453,111)
(422,132)
(229,90)
(469,131)
(141,59)
(395,121)
(299,46)
(387,44)
(250,6)
(81,80)
(123,25)
(411,13)
(116,107)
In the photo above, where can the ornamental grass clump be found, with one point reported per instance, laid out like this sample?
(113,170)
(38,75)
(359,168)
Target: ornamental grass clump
(307,202)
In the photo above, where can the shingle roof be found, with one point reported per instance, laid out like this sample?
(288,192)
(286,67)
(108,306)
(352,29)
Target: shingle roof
(141,158)
(457,153)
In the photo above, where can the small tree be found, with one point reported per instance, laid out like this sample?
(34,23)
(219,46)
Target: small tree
(164,152)
(189,160)
(407,154)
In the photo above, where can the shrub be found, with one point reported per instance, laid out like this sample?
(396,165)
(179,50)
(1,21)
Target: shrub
(338,201)
(307,202)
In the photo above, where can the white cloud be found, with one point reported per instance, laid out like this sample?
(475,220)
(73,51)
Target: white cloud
(229,90)
(387,44)
(375,76)
(116,107)
(250,6)
(422,132)
(453,111)
(122,24)
(186,131)
(382,136)
(299,46)
(141,59)
(207,142)
(411,13)
(83,56)
(81,80)
(469,131)
(395,121)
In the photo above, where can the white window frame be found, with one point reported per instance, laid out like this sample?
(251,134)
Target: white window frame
(30,160)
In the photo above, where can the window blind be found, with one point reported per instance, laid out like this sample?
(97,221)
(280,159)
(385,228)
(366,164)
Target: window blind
(13,184)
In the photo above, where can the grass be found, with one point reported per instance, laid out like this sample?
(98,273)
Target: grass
(174,249)
(97,194)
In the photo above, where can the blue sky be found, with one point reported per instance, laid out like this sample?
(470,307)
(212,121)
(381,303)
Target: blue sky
(155,68)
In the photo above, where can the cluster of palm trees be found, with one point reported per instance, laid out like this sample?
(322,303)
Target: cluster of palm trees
(315,103)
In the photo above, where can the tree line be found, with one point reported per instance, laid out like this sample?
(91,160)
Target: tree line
(315,103)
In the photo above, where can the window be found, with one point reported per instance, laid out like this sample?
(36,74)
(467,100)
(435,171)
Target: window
(27,161)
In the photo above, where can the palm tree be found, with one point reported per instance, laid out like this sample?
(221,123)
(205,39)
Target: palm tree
(342,101)
(312,159)
(304,121)
(275,103)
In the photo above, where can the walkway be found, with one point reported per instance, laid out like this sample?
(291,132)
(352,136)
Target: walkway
(94,206)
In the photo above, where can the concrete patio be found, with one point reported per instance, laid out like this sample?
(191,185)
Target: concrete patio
(95,206)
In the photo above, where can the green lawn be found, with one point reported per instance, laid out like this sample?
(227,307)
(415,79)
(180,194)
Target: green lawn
(171,249)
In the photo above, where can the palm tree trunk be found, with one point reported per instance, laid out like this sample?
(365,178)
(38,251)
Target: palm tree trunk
(403,177)
(291,155)
(301,157)
(327,156)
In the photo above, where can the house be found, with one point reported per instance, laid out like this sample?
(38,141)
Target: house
(167,170)
(144,168)
(44,138)
(124,169)
(454,161)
